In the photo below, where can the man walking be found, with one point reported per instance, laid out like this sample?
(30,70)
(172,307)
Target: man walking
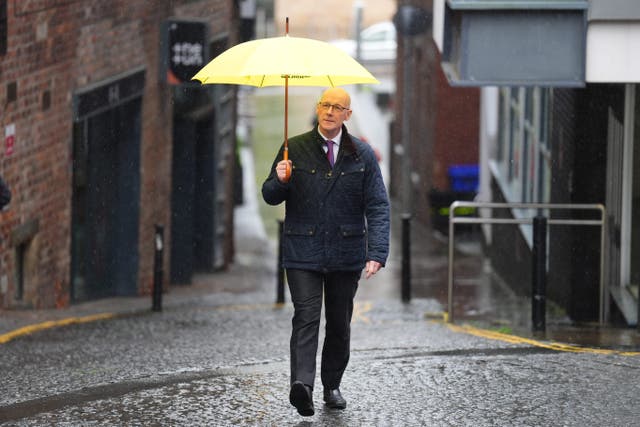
(336,224)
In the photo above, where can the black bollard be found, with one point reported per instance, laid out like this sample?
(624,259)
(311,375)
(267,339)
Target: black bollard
(406,258)
(156,304)
(280,269)
(539,270)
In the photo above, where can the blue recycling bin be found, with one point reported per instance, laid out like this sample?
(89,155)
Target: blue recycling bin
(463,178)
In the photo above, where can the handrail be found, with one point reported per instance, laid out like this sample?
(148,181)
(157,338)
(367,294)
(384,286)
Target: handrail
(493,205)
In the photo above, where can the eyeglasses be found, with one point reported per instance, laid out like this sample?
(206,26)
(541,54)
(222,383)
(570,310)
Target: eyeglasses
(336,107)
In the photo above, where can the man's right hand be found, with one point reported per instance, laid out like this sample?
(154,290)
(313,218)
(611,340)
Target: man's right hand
(281,170)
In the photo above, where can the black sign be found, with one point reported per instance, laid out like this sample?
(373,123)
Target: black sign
(184,52)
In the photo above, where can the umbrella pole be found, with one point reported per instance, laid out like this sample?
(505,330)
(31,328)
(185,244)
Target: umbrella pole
(286,126)
(286,115)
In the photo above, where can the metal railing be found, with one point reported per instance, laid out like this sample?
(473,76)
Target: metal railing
(550,206)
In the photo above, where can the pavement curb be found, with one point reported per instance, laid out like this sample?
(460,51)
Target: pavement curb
(36,327)
(360,313)
(551,345)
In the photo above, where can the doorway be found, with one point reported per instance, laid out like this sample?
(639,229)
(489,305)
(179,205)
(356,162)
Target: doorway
(193,197)
(623,206)
(106,193)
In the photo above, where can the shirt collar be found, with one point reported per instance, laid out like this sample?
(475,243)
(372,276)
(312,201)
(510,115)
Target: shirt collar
(335,140)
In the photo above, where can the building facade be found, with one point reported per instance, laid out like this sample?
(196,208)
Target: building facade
(104,147)
(559,120)
(436,125)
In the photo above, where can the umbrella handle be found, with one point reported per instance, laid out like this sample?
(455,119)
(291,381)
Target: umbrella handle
(287,175)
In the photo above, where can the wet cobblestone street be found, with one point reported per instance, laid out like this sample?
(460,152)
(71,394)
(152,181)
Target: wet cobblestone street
(218,355)
(207,363)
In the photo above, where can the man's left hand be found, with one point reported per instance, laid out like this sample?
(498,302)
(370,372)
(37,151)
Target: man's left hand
(371,268)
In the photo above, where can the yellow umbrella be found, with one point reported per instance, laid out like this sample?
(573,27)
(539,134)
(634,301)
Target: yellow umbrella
(268,62)
(284,61)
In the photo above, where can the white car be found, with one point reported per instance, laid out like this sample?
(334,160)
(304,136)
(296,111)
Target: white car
(377,43)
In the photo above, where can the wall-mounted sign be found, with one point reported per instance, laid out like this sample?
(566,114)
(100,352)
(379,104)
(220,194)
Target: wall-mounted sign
(184,50)
(9,138)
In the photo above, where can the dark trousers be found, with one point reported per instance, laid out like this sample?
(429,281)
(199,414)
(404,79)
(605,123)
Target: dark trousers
(306,289)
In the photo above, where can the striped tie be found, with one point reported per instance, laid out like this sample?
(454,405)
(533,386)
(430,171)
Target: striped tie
(330,152)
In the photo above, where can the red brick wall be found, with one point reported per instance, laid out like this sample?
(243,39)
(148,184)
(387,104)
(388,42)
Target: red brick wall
(59,48)
(457,128)
(443,121)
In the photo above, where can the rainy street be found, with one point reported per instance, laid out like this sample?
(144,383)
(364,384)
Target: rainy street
(141,264)
(217,354)
(222,359)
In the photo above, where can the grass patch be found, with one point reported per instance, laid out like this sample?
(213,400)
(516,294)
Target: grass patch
(268,136)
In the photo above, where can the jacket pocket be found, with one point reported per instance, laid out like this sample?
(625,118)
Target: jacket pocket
(303,182)
(301,243)
(352,243)
(300,229)
(351,180)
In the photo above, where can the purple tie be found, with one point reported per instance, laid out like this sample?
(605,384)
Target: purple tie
(330,151)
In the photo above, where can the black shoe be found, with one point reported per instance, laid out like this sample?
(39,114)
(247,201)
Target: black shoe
(334,399)
(301,397)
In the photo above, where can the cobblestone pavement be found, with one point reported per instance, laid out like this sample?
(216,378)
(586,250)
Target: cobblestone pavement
(209,363)
(217,355)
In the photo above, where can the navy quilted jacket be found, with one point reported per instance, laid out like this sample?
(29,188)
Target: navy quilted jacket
(336,219)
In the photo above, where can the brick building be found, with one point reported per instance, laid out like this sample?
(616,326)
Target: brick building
(99,148)
(439,123)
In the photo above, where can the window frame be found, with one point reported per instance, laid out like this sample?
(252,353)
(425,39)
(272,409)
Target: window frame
(522,164)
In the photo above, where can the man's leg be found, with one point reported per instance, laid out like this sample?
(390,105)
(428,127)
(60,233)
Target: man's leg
(340,289)
(306,294)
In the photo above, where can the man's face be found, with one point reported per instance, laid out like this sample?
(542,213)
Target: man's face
(329,118)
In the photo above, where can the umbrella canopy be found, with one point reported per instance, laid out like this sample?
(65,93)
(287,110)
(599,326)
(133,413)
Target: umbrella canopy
(280,61)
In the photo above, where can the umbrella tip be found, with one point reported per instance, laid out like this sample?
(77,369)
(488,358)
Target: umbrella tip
(287,25)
